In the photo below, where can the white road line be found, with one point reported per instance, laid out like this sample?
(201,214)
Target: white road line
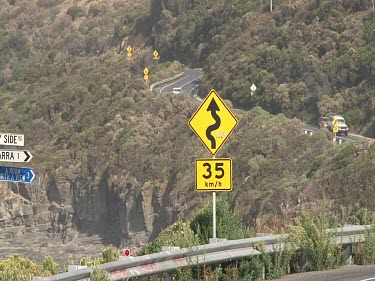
(174,83)
(368,279)
(187,83)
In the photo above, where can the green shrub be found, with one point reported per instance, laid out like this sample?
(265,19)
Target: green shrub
(50,265)
(110,254)
(364,252)
(75,12)
(178,234)
(319,247)
(88,261)
(99,275)
(363,216)
(228,225)
(16,268)
(251,269)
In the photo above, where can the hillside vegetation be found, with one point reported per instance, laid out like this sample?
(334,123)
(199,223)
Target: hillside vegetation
(116,160)
(307,58)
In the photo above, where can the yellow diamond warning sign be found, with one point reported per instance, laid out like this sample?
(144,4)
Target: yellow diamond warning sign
(213,174)
(213,122)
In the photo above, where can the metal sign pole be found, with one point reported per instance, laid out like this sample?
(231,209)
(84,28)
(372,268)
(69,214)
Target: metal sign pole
(214,213)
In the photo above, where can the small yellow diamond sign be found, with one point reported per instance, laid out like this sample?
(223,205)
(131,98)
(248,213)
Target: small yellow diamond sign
(129,49)
(213,174)
(156,55)
(335,122)
(213,122)
(145,71)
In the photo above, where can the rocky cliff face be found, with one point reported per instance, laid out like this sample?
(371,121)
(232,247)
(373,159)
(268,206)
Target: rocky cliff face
(115,184)
(69,219)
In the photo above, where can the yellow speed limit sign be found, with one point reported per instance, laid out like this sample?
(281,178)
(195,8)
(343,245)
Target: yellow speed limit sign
(335,129)
(214,174)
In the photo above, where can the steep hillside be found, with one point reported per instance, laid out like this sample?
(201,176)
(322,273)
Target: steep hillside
(307,58)
(115,161)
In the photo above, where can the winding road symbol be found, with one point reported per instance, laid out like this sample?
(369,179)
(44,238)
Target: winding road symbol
(213,108)
(210,127)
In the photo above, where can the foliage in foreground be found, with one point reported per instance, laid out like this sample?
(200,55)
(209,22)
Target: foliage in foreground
(17,268)
(108,254)
(319,247)
(228,225)
(364,251)
(178,234)
(319,251)
(99,275)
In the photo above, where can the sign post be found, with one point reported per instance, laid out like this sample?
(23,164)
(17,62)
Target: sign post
(213,123)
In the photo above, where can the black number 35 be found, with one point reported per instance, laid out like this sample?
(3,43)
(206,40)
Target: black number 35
(218,169)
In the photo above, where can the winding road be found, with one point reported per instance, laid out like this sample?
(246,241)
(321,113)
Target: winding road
(186,83)
(189,83)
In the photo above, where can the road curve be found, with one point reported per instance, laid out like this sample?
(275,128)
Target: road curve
(186,83)
(348,273)
(188,86)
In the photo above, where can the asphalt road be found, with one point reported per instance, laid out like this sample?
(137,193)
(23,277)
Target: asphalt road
(348,273)
(193,74)
(350,137)
(186,83)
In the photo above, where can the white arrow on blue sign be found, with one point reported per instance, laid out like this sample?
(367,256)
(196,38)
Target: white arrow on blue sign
(15,174)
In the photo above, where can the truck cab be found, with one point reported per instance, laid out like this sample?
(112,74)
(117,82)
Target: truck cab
(343,129)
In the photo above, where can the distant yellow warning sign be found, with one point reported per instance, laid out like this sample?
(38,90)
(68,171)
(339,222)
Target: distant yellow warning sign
(145,71)
(213,122)
(156,55)
(129,50)
(213,174)
(335,122)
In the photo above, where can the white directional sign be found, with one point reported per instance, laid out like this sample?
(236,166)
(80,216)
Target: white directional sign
(253,88)
(15,155)
(12,139)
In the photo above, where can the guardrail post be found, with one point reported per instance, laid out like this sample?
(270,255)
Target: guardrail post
(348,254)
(263,273)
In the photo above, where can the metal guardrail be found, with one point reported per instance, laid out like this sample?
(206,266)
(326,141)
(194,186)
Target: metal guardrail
(199,255)
(166,80)
(338,138)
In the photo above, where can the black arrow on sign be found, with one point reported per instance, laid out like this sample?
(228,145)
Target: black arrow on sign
(28,156)
(213,108)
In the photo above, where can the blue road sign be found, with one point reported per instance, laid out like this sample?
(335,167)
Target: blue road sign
(15,174)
